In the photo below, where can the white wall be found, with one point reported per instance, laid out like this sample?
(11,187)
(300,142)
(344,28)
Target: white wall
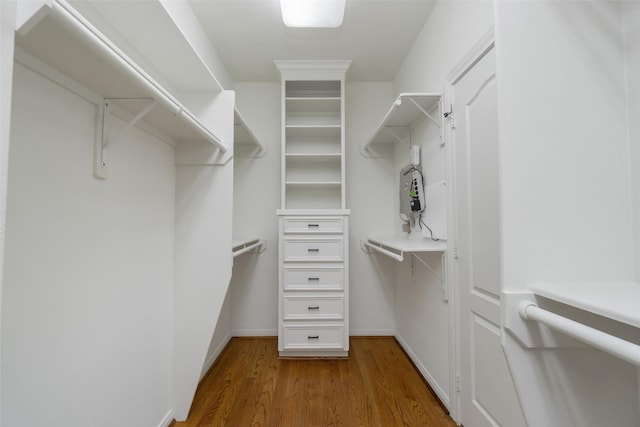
(86,324)
(450,32)
(254,285)
(631,14)
(7,27)
(370,196)
(566,189)
(422,315)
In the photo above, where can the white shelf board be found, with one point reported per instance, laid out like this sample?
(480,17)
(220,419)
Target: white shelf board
(313,212)
(313,105)
(404,244)
(314,183)
(63,44)
(402,116)
(619,301)
(314,155)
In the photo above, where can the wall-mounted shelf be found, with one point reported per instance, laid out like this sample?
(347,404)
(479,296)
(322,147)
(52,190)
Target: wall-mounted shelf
(243,135)
(396,247)
(530,318)
(406,112)
(243,245)
(619,301)
(70,44)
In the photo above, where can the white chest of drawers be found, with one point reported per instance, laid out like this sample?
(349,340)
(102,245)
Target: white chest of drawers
(313,300)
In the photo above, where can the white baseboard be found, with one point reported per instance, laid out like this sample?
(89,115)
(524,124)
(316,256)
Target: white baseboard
(255,333)
(213,356)
(372,332)
(425,372)
(167,419)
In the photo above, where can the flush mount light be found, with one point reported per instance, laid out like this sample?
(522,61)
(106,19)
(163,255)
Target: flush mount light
(312,13)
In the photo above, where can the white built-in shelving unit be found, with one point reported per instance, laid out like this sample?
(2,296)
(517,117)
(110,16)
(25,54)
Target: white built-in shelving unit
(313,164)
(313,300)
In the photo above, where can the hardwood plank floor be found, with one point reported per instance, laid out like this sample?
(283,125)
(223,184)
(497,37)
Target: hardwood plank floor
(377,386)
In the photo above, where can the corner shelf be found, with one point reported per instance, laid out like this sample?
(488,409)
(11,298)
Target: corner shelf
(406,112)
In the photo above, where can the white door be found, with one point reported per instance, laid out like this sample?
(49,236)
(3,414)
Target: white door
(487,395)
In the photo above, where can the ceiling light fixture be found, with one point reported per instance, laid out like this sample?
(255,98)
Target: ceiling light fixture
(312,13)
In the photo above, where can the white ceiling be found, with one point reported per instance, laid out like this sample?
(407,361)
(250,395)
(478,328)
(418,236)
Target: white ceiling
(249,35)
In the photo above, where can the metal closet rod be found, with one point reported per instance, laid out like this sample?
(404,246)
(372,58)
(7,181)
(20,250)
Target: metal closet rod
(88,32)
(618,347)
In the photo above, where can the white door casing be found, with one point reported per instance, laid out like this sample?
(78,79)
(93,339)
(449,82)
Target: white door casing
(487,395)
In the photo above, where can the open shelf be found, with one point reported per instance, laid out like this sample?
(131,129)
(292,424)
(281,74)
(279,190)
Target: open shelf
(68,43)
(396,246)
(407,111)
(619,301)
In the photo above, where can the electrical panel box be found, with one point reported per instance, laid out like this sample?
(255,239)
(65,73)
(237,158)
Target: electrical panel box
(411,190)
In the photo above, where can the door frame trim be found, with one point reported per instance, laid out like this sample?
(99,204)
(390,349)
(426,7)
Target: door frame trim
(480,49)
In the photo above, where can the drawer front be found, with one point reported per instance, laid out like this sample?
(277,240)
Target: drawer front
(304,307)
(320,249)
(309,278)
(314,337)
(313,225)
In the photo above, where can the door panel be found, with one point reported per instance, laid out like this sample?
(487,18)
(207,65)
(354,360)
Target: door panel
(487,393)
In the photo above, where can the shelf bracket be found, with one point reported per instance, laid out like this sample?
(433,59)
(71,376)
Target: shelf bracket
(395,135)
(428,266)
(419,107)
(105,139)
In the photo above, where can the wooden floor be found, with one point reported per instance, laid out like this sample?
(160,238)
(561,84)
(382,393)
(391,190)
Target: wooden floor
(377,386)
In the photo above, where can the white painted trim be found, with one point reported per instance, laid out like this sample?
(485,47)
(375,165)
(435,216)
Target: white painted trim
(425,372)
(214,356)
(372,332)
(167,419)
(483,45)
(486,43)
(255,332)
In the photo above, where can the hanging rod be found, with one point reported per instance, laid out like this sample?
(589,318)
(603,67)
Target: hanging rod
(246,247)
(73,20)
(618,347)
(397,257)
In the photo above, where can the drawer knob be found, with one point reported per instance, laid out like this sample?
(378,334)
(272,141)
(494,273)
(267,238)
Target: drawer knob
(313,225)
(314,307)
(313,337)
(313,250)
(313,279)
